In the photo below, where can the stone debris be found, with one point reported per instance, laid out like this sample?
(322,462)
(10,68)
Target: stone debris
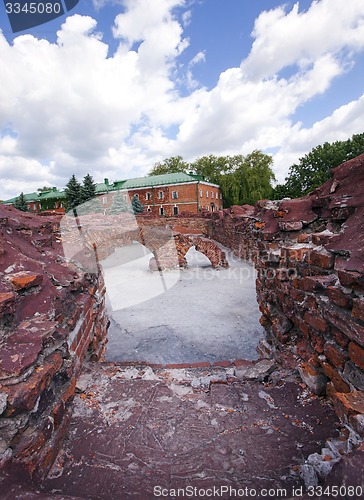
(258,371)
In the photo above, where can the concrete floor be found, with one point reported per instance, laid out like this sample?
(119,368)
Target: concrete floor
(191,315)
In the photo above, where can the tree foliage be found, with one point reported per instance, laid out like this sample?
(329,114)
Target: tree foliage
(88,188)
(243,179)
(21,204)
(315,167)
(169,166)
(73,193)
(136,205)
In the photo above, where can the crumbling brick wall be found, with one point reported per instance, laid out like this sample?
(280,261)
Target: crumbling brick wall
(52,315)
(309,254)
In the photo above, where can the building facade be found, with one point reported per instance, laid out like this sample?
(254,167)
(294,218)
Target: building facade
(168,194)
(163,195)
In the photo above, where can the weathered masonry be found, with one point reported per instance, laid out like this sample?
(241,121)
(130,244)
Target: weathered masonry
(309,257)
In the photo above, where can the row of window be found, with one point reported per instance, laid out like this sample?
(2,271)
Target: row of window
(148,195)
(216,195)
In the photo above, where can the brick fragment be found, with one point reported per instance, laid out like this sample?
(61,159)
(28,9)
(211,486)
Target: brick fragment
(354,375)
(315,379)
(338,297)
(343,320)
(290,225)
(335,355)
(351,279)
(358,309)
(316,322)
(7,302)
(356,354)
(335,377)
(23,396)
(303,238)
(321,258)
(317,283)
(339,337)
(346,404)
(24,280)
(290,253)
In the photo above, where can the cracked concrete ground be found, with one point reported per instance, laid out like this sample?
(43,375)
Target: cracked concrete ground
(136,428)
(192,315)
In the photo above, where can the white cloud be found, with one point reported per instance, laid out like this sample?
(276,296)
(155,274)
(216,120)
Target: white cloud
(299,38)
(72,107)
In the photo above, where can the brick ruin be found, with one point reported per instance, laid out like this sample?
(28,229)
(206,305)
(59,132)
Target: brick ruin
(309,256)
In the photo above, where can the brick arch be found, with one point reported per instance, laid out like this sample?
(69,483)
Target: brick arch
(168,247)
(204,245)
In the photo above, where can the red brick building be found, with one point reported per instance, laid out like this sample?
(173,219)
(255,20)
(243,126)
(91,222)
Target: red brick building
(168,194)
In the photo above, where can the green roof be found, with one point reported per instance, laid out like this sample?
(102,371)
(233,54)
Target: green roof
(51,194)
(28,197)
(103,187)
(157,180)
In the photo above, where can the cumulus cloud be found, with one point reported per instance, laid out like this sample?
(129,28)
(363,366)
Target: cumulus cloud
(300,38)
(72,106)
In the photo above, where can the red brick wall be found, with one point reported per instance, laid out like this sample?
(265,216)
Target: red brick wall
(309,254)
(51,319)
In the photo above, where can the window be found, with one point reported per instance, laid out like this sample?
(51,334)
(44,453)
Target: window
(104,200)
(149,209)
(161,211)
(136,196)
(220,196)
(148,196)
(175,210)
(200,193)
(160,195)
(207,208)
(207,194)
(175,195)
(212,194)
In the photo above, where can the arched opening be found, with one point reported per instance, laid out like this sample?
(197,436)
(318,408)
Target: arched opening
(195,258)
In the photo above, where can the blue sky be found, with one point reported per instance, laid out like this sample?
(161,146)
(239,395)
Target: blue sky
(116,86)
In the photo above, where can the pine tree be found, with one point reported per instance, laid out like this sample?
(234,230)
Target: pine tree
(88,189)
(73,192)
(119,204)
(136,205)
(21,204)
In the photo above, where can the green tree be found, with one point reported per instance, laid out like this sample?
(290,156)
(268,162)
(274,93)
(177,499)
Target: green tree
(73,193)
(315,167)
(119,204)
(169,166)
(21,204)
(88,189)
(137,206)
(243,179)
